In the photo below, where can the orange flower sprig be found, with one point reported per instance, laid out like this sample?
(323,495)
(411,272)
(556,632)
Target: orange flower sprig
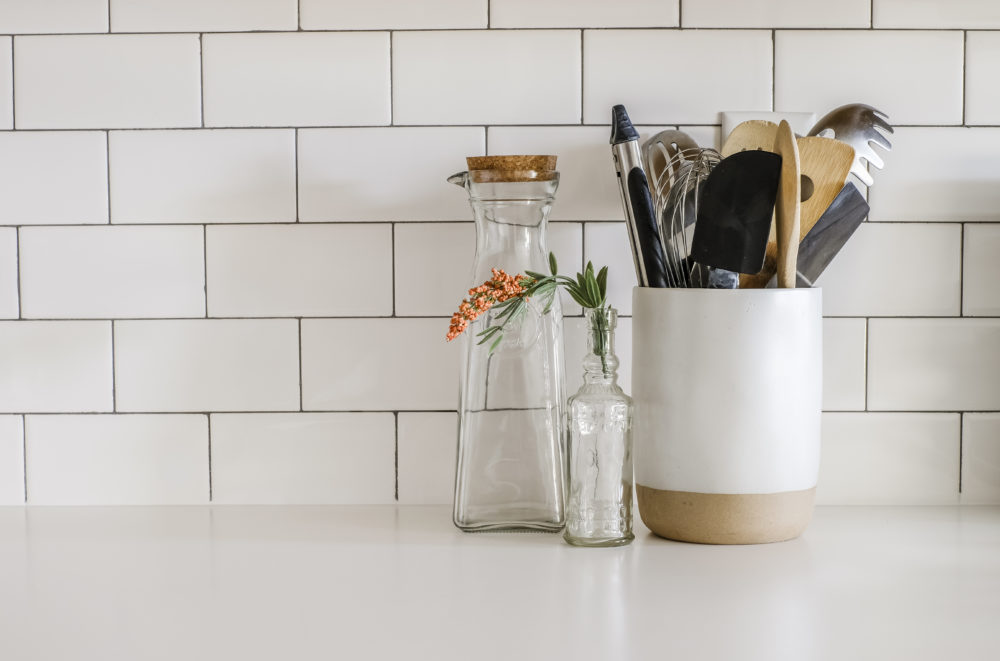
(501,288)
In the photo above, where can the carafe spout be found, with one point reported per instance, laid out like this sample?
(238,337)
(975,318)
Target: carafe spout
(459,178)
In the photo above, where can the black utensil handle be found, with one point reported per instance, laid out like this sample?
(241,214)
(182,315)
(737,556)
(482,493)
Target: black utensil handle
(650,248)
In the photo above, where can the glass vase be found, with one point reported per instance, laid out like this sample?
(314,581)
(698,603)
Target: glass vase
(510,472)
(599,512)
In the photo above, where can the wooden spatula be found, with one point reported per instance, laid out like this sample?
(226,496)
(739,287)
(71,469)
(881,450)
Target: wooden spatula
(752,134)
(788,207)
(825,164)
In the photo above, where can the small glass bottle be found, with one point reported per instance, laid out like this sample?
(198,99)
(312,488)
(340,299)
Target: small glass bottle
(599,512)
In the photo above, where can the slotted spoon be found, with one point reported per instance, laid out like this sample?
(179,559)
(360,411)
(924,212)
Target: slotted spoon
(858,125)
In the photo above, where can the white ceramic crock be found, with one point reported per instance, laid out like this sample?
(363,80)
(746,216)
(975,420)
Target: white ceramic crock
(728,392)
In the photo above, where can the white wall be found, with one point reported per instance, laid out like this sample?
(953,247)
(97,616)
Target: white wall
(228,252)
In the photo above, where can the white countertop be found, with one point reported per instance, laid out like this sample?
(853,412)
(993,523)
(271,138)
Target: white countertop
(244,583)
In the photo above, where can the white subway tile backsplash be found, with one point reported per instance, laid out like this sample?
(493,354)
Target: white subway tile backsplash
(52,366)
(45,16)
(607,244)
(427,285)
(982,69)
(8,273)
(202,15)
(439,77)
(105,272)
(981,458)
(345,175)
(107,81)
(896,269)
(913,76)
(981,296)
(378,364)
(6,83)
(704,136)
(933,14)
(303,458)
(939,174)
(627,66)
(53,177)
(207,365)
(583,13)
(296,79)
(777,14)
(203,176)
(844,363)
(427,453)
(11,460)
(393,14)
(934,364)
(588,188)
(117,459)
(299,270)
(889,459)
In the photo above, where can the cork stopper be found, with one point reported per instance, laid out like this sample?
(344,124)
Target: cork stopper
(484,169)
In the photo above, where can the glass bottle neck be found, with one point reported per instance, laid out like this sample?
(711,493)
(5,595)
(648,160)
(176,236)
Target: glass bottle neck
(600,365)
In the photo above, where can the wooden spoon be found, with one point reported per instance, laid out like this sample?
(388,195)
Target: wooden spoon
(752,134)
(825,164)
(788,207)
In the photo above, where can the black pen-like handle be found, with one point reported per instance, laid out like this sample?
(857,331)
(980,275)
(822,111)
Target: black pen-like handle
(644,217)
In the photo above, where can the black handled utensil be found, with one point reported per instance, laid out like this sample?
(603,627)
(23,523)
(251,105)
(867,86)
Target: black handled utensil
(837,224)
(734,213)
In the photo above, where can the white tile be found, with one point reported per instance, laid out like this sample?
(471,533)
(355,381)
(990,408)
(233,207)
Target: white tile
(575,331)
(299,270)
(981,458)
(583,13)
(53,177)
(303,458)
(202,15)
(606,244)
(889,459)
(588,187)
(344,174)
(913,76)
(932,14)
(48,366)
(896,269)
(982,69)
(947,174)
(704,136)
(392,14)
(934,364)
(441,77)
(8,273)
(777,14)
(844,363)
(207,365)
(117,459)
(428,285)
(981,271)
(378,364)
(11,460)
(296,79)
(427,454)
(42,16)
(214,176)
(627,66)
(107,272)
(6,83)
(107,81)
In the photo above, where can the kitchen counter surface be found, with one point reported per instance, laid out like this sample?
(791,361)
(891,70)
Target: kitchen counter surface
(246,583)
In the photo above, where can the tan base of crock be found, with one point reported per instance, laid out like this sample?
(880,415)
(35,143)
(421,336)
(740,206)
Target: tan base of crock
(715,518)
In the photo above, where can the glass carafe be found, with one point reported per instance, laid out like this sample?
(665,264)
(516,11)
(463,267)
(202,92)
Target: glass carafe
(510,472)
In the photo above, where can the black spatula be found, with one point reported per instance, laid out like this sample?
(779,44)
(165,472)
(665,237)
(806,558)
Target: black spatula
(734,213)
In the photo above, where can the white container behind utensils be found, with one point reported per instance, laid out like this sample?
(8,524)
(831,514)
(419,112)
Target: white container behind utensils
(728,392)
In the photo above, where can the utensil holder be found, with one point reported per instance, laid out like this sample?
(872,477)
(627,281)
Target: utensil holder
(728,392)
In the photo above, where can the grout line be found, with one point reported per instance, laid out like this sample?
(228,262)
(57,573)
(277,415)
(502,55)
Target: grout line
(107,174)
(680,14)
(867,360)
(383,411)
(298,15)
(965,71)
(201,77)
(114,384)
(17,257)
(301,408)
(13,104)
(395,417)
(871,14)
(208,420)
(296,137)
(961,450)
(961,272)
(392,266)
(109,17)
(392,87)
(24,454)
(489,14)
(774,67)
(204,265)
(582,94)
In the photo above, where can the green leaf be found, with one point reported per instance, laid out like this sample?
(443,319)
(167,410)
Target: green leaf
(536,275)
(552,263)
(496,343)
(578,299)
(593,291)
(602,282)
